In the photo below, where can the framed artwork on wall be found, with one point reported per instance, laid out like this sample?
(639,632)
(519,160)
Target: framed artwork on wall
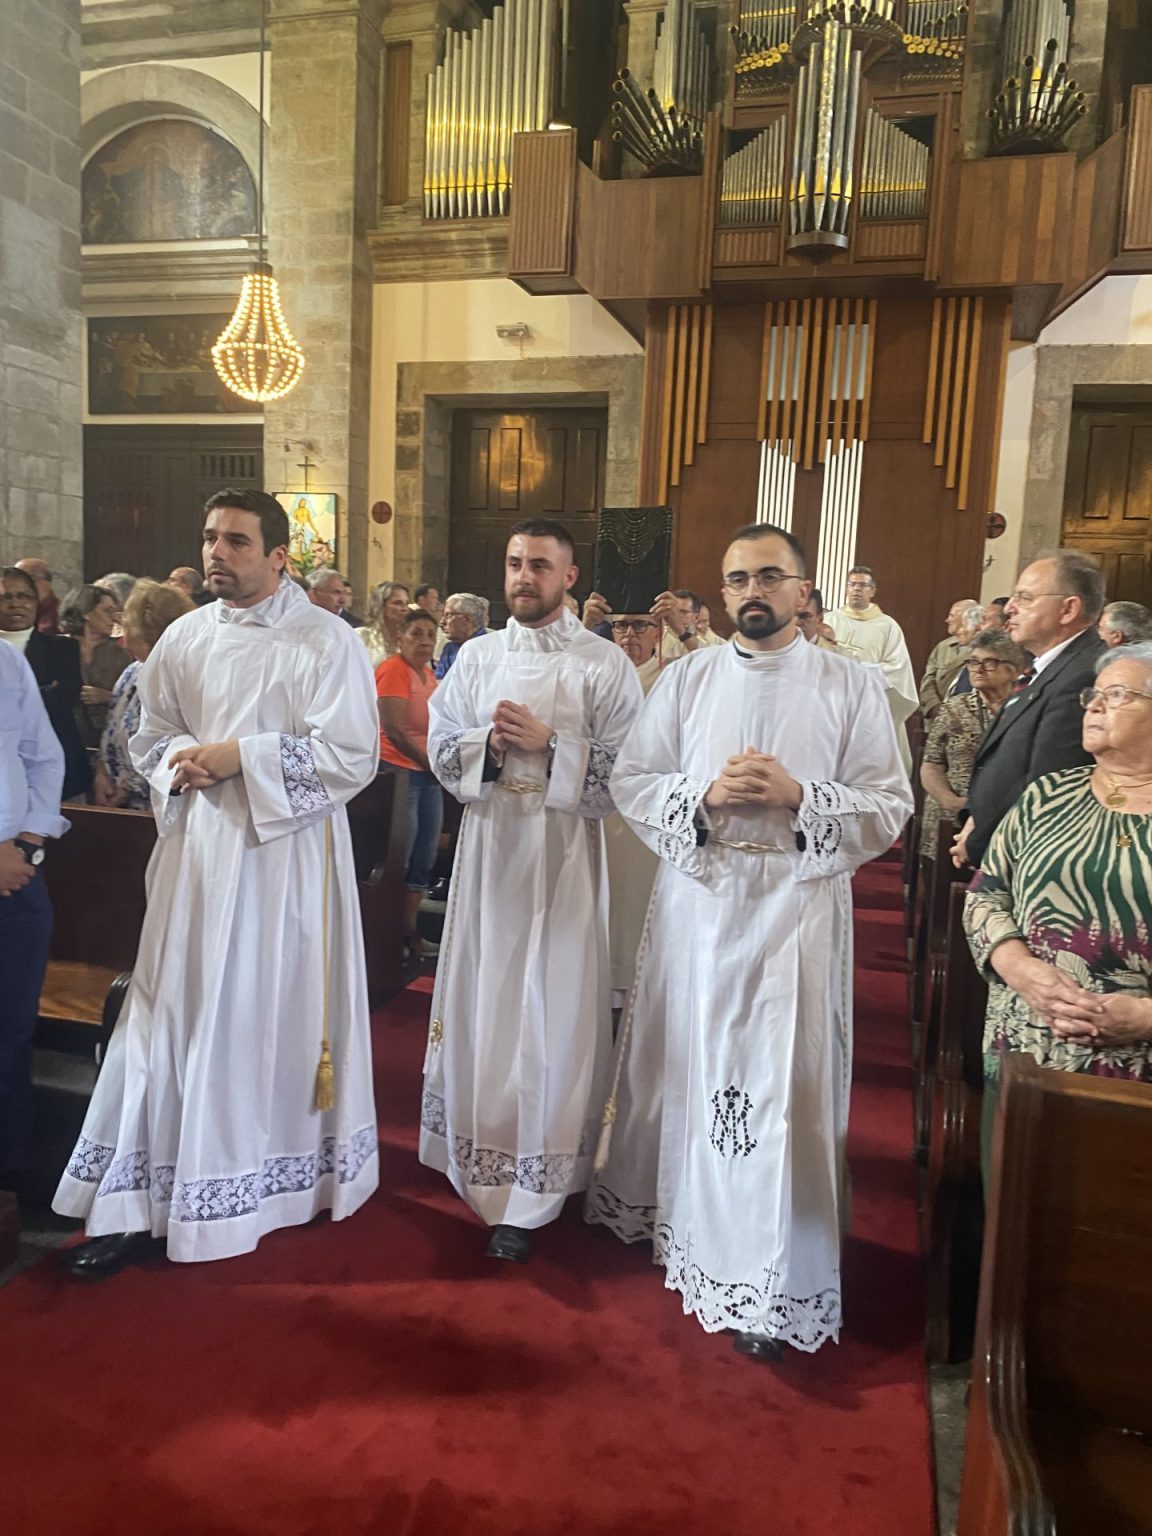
(157,365)
(311,528)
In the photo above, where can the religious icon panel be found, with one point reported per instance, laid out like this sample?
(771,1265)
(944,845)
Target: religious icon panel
(157,365)
(312,528)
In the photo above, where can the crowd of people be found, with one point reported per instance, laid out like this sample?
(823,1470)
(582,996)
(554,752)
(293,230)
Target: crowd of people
(673,1041)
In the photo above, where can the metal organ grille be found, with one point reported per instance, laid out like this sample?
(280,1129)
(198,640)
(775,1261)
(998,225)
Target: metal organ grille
(495,81)
(893,171)
(752,184)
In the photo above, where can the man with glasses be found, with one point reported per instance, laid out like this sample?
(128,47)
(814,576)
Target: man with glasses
(866,633)
(762,773)
(1052,614)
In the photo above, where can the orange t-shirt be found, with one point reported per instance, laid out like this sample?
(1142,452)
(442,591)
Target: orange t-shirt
(395,679)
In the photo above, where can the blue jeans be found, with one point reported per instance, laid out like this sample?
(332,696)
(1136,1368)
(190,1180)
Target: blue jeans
(25,932)
(425,814)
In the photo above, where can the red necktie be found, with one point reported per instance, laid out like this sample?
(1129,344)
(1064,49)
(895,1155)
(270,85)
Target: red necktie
(1023,682)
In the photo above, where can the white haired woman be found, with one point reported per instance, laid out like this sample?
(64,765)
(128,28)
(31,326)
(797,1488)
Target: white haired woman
(1060,914)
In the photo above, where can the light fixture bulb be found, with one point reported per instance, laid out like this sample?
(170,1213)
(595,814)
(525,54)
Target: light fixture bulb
(256,355)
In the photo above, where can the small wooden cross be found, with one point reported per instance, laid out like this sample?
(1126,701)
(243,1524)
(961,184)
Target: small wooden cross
(306,466)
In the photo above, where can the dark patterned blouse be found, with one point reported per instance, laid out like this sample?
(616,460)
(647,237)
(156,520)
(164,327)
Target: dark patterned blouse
(953,738)
(1073,880)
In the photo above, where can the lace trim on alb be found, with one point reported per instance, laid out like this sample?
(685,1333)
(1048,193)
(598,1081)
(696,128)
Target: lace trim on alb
(821,815)
(307,797)
(677,827)
(594,798)
(631,1223)
(152,758)
(447,763)
(540,1173)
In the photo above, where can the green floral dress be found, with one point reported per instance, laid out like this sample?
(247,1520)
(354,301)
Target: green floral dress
(1073,880)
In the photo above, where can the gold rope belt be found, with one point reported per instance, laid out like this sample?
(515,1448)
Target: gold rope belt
(724,842)
(520,786)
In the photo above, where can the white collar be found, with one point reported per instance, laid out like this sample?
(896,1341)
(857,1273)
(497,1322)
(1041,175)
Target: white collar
(18,637)
(273,610)
(1046,658)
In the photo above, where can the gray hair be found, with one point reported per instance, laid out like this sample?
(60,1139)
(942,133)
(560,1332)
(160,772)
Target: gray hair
(1141,651)
(972,616)
(119,583)
(320,575)
(475,607)
(379,596)
(1079,575)
(1130,620)
(1001,644)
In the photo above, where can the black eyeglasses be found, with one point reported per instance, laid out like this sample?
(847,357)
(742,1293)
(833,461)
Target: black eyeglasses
(768,580)
(632,626)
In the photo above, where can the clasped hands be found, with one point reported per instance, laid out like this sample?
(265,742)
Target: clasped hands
(204,766)
(1094,1019)
(754,778)
(517,729)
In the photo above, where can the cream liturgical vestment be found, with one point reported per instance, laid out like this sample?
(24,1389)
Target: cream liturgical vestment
(202,1125)
(736,1045)
(873,635)
(520,1046)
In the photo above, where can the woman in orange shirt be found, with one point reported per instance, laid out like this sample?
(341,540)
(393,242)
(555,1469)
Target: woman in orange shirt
(404,684)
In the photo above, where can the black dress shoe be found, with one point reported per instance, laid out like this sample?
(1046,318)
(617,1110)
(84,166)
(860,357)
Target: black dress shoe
(511,1243)
(758,1346)
(100,1257)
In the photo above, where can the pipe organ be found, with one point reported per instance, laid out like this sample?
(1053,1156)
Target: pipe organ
(663,127)
(824,145)
(752,184)
(893,171)
(495,81)
(1039,102)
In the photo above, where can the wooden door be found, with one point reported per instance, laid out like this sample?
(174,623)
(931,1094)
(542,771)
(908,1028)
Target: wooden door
(145,488)
(508,465)
(1108,495)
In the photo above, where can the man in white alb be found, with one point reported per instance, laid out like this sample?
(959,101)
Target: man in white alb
(763,774)
(236,1097)
(524,731)
(866,633)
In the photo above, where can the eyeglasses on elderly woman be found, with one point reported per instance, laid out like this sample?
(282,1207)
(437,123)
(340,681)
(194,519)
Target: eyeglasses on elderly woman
(1115,696)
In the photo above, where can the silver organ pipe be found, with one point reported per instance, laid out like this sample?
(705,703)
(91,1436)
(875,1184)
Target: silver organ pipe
(1039,102)
(664,126)
(893,171)
(823,175)
(752,184)
(770,22)
(681,71)
(936,18)
(494,81)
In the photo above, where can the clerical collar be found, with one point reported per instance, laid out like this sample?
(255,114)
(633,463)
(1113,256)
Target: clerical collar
(268,613)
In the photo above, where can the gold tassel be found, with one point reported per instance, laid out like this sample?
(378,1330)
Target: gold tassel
(604,1145)
(324,1095)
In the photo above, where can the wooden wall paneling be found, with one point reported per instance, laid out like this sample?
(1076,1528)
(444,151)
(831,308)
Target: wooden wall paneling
(803,338)
(744,248)
(839,383)
(705,378)
(679,384)
(652,417)
(709,197)
(1094,237)
(869,361)
(1137,228)
(970,403)
(543,209)
(957,390)
(1027,248)
(395,124)
(944,393)
(812,399)
(890,240)
(944,148)
(691,413)
(667,391)
(824,427)
(622,248)
(768,404)
(933,362)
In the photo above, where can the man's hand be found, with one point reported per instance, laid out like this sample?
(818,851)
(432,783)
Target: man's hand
(755,778)
(15,870)
(959,848)
(517,728)
(202,767)
(1121,1020)
(596,610)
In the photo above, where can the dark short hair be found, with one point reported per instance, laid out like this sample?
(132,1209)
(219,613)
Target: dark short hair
(1080,576)
(764,530)
(543,528)
(685,594)
(12,573)
(816,599)
(424,589)
(416,616)
(863,570)
(273,519)
(998,602)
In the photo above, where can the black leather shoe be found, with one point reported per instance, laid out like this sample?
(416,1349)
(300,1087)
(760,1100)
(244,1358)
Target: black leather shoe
(511,1243)
(100,1257)
(758,1346)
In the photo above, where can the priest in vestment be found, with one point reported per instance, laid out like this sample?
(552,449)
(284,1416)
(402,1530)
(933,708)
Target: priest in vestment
(866,633)
(762,774)
(236,1096)
(524,731)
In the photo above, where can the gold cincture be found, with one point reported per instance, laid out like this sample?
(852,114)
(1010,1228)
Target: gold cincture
(724,842)
(520,786)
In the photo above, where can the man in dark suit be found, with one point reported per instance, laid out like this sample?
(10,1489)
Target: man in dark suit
(1053,614)
(55,663)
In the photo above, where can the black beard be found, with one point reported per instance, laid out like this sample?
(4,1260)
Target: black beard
(758,623)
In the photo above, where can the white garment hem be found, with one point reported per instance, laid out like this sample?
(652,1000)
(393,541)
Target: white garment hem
(507,1202)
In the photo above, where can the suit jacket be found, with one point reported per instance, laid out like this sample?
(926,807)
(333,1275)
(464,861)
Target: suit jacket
(55,663)
(1036,732)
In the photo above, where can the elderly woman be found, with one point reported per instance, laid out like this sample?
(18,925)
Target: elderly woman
(1059,916)
(147,614)
(387,605)
(995,662)
(89,614)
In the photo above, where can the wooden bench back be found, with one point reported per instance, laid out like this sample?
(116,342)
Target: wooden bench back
(95,877)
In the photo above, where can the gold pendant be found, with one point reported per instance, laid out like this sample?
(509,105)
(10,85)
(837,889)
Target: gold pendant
(1124,840)
(1115,799)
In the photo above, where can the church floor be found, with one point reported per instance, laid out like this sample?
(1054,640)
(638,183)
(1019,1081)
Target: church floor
(380,1376)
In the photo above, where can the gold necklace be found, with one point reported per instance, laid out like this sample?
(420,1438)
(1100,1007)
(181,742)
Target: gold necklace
(1116,792)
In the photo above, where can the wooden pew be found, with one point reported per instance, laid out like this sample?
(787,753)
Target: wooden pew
(952,1215)
(1059,1438)
(927,982)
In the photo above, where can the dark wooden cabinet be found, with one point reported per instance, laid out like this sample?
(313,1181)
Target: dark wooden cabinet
(1108,495)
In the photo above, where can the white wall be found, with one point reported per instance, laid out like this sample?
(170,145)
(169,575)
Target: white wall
(239,71)
(455,322)
(1117,312)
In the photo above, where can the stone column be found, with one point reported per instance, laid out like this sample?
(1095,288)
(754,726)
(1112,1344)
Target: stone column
(41,439)
(320,203)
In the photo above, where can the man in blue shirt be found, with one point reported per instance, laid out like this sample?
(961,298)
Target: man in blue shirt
(465,616)
(31,779)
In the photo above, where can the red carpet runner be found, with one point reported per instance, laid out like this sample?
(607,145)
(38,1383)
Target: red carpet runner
(380,1376)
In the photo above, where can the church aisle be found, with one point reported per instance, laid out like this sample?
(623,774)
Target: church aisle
(381,1376)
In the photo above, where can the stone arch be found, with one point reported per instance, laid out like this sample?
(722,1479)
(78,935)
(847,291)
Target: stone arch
(118,98)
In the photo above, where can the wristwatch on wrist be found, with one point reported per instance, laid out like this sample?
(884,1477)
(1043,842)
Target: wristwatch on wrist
(33,852)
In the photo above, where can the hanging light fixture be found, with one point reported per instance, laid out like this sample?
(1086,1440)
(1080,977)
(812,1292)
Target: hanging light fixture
(256,355)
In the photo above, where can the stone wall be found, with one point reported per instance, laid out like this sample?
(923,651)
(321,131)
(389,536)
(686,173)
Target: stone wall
(41,445)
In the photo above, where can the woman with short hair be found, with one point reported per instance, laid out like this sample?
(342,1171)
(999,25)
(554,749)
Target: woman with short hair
(387,605)
(90,614)
(150,609)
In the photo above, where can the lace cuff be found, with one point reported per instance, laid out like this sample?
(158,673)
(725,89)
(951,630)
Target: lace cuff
(596,799)
(821,822)
(152,759)
(448,762)
(676,839)
(307,797)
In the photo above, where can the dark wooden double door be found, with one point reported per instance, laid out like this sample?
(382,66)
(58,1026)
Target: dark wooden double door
(508,465)
(1108,495)
(145,489)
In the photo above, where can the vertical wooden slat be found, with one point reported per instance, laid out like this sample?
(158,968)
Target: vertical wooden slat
(653,406)
(933,366)
(970,402)
(959,393)
(852,406)
(791,346)
(824,428)
(946,364)
(869,359)
(803,350)
(762,425)
(395,124)
(681,324)
(705,376)
(666,397)
(839,383)
(811,403)
(693,387)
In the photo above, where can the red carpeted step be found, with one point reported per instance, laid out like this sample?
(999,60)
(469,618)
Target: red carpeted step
(379,1377)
